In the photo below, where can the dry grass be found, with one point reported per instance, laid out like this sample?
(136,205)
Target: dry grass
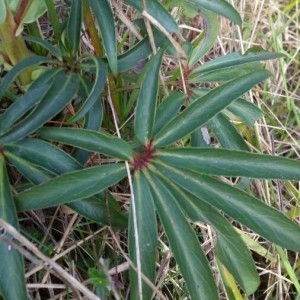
(79,245)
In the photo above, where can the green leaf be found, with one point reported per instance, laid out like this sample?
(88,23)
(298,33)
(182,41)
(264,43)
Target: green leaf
(74,26)
(220,7)
(147,236)
(2,11)
(21,106)
(140,51)
(94,94)
(230,248)
(226,133)
(204,108)
(45,44)
(44,154)
(235,59)
(223,74)
(157,11)
(146,103)
(248,112)
(105,19)
(89,140)
(18,68)
(237,204)
(184,243)
(70,187)
(61,92)
(12,264)
(231,163)
(100,211)
(207,39)
(167,110)
(32,172)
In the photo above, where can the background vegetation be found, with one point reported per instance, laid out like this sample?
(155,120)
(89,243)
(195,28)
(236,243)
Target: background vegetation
(97,256)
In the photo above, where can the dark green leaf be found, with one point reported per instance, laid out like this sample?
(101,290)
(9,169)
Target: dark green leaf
(220,7)
(167,110)
(61,92)
(140,51)
(230,248)
(70,187)
(89,140)
(204,108)
(105,19)
(266,221)
(94,94)
(34,173)
(157,11)
(18,68)
(12,264)
(45,44)
(226,133)
(146,103)
(100,211)
(74,26)
(147,236)
(184,243)
(44,154)
(207,39)
(232,163)
(235,59)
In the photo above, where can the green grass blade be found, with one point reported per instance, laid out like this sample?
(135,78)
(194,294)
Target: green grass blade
(167,110)
(232,163)
(206,39)
(70,187)
(44,154)
(89,140)
(226,133)
(220,7)
(12,280)
(230,248)
(147,232)
(61,92)
(248,210)
(94,94)
(18,68)
(157,11)
(146,103)
(204,108)
(184,242)
(74,26)
(106,22)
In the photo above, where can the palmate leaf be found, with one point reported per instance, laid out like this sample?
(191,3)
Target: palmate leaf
(63,88)
(248,210)
(70,187)
(147,236)
(100,142)
(12,264)
(231,163)
(184,242)
(230,248)
(146,103)
(204,108)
